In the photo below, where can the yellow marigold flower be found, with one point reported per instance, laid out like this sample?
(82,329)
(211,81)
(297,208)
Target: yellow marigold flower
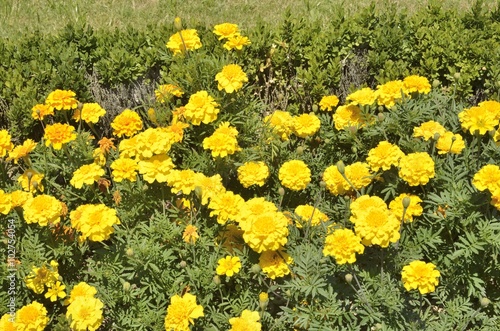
(358,174)
(335,182)
(153,141)
(85,313)
(31,181)
(165,92)
(226,30)
(190,234)
(253,173)
(156,168)
(237,42)
(231,78)
(189,41)
(223,141)
(249,321)
(95,222)
(420,275)
(6,322)
(225,206)
(306,125)
(128,148)
(254,207)
(478,118)
(99,157)
(5,202)
(266,231)
(343,245)
(347,116)
(18,198)
(389,93)
(491,106)
(6,144)
(363,97)
(414,209)
(56,291)
(309,215)
(201,107)
(416,168)
(416,83)
(450,142)
(127,123)
(86,174)
(428,130)
(40,111)
(42,209)
(90,113)
(209,186)
(384,156)
(376,226)
(81,290)
(181,312)
(32,317)
(487,178)
(281,122)
(181,181)
(328,102)
(294,175)
(124,169)
(176,131)
(62,100)
(22,151)
(39,277)
(58,134)
(228,266)
(275,264)
(364,203)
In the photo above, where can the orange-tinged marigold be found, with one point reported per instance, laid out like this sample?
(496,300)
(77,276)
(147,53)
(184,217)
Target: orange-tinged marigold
(127,123)
(343,244)
(231,78)
(22,151)
(420,275)
(416,168)
(294,175)
(40,111)
(58,134)
(182,312)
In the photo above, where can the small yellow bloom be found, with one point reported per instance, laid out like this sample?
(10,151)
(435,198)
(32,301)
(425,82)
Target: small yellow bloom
(420,275)
(228,266)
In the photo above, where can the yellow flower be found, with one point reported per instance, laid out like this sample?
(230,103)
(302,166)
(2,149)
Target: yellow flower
(275,264)
(22,151)
(165,92)
(156,168)
(40,111)
(190,234)
(343,245)
(124,169)
(176,131)
(62,100)
(32,317)
(363,203)
(99,157)
(152,141)
(428,130)
(39,277)
(253,173)
(478,119)
(358,174)
(209,186)
(420,275)
(231,78)
(335,182)
(487,178)
(416,83)
(42,209)
(85,314)
(347,116)
(95,222)
(6,144)
(249,321)
(128,148)
(414,209)
(376,226)
(18,198)
(55,291)
(416,168)
(363,97)
(86,174)
(281,122)
(184,40)
(266,231)
(254,207)
(81,290)
(5,202)
(90,113)
(225,206)
(237,42)
(223,141)
(389,93)
(294,175)
(226,30)
(58,134)
(450,142)
(6,322)
(181,181)
(309,215)
(181,312)
(201,107)
(328,102)
(228,266)
(384,156)
(127,123)
(491,106)
(306,125)
(31,181)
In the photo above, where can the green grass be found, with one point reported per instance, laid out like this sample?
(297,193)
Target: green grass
(49,16)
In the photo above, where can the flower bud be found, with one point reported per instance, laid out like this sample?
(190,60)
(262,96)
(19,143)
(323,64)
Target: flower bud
(341,167)
(216,280)
(322,184)
(178,23)
(198,191)
(129,252)
(183,264)
(491,133)
(406,202)
(484,302)
(126,286)
(456,75)
(315,108)
(348,278)
(300,150)
(263,300)
(436,136)
(281,191)
(255,269)
(436,83)
(380,117)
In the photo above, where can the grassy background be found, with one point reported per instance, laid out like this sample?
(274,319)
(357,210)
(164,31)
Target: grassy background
(48,16)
